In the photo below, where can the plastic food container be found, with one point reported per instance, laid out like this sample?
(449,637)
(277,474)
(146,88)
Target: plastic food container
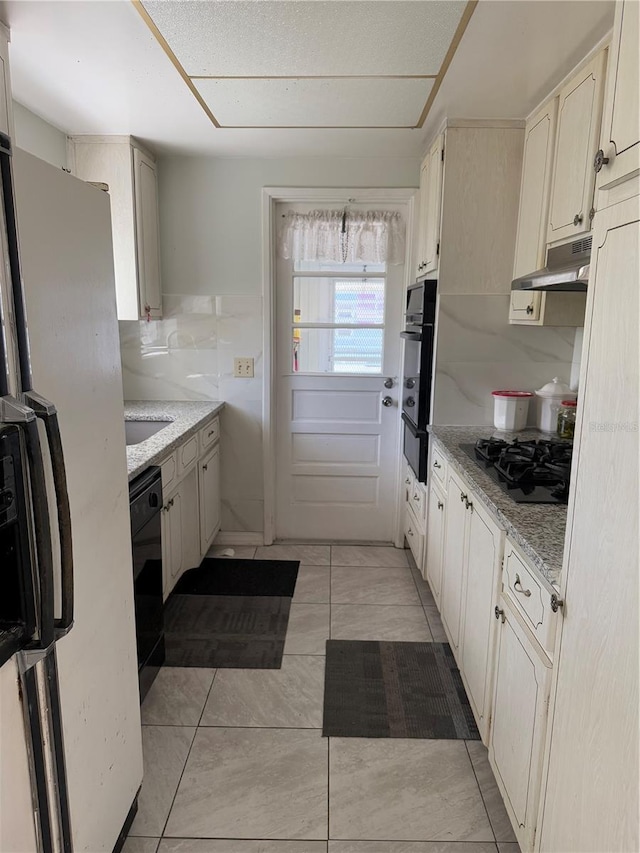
(567,418)
(549,399)
(510,409)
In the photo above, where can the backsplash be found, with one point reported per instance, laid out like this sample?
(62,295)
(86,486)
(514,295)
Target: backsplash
(188,355)
(479,352)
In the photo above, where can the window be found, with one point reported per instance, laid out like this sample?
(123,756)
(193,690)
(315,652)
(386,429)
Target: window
(338,318)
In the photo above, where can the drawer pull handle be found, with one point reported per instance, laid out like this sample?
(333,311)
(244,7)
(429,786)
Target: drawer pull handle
(408,481)
(416,498)
(440,505)
(518,583)
(469,505)
(212,432)
(499,613)
(205,467)
(556,603)
(436,464)
(410,532)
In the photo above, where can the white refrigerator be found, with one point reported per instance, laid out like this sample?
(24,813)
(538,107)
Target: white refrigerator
(70,740)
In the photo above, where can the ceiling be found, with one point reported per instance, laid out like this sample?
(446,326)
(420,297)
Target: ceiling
(281,78)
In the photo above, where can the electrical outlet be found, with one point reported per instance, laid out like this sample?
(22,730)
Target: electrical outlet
(243,368)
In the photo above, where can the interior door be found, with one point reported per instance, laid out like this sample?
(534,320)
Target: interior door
(337,423)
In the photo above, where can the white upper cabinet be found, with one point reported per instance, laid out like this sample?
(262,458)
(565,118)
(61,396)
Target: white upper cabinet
(6,112)
(130,174)
(430,203)
(539,139)
(577,141)
(620,141)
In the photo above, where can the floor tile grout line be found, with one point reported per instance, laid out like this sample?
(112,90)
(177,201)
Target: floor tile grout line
(475,775)
(207,699)
(184,767)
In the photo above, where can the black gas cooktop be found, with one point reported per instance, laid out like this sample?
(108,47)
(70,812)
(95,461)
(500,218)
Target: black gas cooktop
(528,471)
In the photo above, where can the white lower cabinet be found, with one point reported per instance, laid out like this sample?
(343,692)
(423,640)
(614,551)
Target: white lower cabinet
(485,542)
(435,532)
(209,484)
(519,720)
(453,560)
(191,511)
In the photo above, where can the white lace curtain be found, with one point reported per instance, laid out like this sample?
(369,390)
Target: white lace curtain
(343,236)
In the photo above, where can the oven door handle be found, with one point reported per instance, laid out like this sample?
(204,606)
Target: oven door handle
(411,336)
(413,427)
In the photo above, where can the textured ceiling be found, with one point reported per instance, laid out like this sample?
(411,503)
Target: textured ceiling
(277,63)
(271,39)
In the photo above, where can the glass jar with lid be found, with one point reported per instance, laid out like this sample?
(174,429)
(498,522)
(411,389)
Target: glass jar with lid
(567,419)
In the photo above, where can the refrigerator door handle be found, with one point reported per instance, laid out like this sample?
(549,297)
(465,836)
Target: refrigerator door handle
(47,413)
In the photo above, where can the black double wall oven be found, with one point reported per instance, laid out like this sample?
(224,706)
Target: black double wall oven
(417,379)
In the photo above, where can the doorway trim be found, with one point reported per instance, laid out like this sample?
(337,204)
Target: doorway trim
(271,196)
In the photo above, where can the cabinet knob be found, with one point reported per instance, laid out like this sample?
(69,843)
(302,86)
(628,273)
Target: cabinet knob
(556,603)
(436,464)
(577,219)
(205,467)
(440,505)
(416,498)
(530,307)
(599,161)
(469,505)
(463,498)
(499,613)
(212,432)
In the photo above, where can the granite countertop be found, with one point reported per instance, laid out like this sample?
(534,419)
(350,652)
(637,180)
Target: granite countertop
(537,528)
(185,419)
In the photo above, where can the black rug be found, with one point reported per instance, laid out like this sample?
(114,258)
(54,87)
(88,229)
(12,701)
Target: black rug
(403,690)
(238,631)
(219,576)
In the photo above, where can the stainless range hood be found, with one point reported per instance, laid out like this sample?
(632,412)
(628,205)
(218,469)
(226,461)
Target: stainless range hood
(567,269)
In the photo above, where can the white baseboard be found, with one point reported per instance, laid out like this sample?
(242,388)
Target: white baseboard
(238,537)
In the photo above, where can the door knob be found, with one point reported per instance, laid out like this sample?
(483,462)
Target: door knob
(410,402)
(388,383)
(387,401)
(410,383)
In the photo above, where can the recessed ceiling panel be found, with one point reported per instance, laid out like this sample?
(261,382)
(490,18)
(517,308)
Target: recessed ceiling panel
(273,38)
(343,102)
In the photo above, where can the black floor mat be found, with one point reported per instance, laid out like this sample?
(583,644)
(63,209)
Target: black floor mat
(404,690)
(232,631)
(219,576)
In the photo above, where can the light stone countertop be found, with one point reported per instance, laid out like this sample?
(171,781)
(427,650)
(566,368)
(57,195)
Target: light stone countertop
(185,419)
(538,529)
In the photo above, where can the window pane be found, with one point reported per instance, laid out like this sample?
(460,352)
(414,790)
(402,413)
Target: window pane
(337,351)
(340,269)
(335,300)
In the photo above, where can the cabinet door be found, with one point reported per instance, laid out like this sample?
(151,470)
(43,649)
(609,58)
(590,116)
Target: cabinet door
(620,127)
(518,724)
(147,235)
(525,306)
(455,529)
(176,545)
(435,532)
(579,118)
(209,498)
(422,217)
(484,555)
(434,195)
(535,188)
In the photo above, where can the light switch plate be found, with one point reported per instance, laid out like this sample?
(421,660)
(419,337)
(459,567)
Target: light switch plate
(243,368)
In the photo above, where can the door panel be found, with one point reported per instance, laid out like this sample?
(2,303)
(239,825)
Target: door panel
(453,562)
(337,445)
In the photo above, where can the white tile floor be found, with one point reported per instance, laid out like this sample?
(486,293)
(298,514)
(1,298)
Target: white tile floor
(235,761)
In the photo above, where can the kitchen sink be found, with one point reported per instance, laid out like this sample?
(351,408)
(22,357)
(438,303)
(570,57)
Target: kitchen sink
(137,431)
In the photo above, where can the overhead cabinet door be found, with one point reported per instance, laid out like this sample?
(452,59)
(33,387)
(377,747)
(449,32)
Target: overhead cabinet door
(147,233)
(579,115)
(621,124)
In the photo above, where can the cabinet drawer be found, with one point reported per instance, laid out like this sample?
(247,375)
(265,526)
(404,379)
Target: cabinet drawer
(210,433)
(529,597)
(418,501)
(439,466)
(414,536)
(525,305)
(188,453)
(408,481)
(169,469)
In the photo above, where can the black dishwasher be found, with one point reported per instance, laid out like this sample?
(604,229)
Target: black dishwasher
(145,502)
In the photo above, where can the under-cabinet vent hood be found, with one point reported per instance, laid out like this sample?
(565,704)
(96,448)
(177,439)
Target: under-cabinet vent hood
(567,269)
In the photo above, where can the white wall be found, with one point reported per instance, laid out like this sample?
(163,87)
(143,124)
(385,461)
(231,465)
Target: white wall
(38,137)
(211,235)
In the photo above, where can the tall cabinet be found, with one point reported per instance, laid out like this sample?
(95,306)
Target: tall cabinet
(590,798)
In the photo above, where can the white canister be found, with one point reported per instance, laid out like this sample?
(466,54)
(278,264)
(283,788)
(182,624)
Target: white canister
(549,400)
(510,409)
